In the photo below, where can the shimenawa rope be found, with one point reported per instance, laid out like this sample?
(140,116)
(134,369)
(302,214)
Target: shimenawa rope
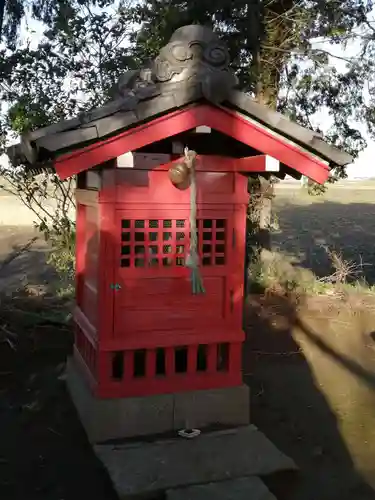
(192,260)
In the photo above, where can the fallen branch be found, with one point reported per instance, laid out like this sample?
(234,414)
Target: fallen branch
(7,337)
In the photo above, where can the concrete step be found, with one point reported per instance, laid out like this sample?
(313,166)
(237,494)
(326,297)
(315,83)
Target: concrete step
(152,467)
(245,488)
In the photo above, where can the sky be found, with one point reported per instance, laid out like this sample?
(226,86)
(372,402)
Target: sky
(364,165)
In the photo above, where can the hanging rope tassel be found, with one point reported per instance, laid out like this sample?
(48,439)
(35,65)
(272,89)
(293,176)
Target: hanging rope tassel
(192,260)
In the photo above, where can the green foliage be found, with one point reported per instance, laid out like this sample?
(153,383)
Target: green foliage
(272,49)
(275,47)
(51,200)
(62,255)
(81,54)
(13,13)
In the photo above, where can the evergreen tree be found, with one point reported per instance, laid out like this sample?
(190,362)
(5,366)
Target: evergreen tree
(277,52)
(83,49)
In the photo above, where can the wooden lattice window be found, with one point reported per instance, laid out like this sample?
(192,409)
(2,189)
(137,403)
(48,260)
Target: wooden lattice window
(86,349)
(212,236)
(165,242)
(138,360)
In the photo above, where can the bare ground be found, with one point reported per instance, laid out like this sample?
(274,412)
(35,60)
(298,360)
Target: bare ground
(44,453)
(310,368)
(311,371)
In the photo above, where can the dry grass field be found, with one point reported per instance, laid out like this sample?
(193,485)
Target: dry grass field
(343,220)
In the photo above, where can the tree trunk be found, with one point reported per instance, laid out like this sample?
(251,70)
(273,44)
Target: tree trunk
(2,9)
(258,234)
(266,67)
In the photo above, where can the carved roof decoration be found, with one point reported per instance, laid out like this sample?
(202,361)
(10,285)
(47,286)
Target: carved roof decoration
(192,67)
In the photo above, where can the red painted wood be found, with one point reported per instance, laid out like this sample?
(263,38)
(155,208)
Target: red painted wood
(211,163)
(218,164)
(153,309)
(91,256)
(211,358)
(252,164)
(142,186)
(84,370)
(106,271)
(88,329)
(80,250)
(204,163)
(162,338)
(167,385)
(86,349)
(169,364)
(150,363)
(237,277)
(192,359)
(176,122)
(159,298)
(263,140)
(226,121)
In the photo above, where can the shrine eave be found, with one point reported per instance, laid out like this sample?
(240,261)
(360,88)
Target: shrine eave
(226,121)
(185,88)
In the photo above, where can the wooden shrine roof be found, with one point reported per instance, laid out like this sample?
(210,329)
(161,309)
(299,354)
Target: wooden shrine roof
(193,67)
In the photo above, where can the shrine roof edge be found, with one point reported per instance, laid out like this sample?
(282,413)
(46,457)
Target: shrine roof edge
(194,66)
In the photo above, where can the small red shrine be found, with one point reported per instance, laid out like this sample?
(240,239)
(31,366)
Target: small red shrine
(150,355)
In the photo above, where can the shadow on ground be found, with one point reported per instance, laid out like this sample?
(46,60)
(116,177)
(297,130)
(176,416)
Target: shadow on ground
(313,391)
(310,367)
(345,227)
(23,255)
(44,453)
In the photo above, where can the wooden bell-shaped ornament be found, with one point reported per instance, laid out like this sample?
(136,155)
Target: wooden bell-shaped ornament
(179,175)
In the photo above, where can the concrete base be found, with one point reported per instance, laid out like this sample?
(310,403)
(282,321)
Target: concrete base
(244,488)
(151,469)
(106,419)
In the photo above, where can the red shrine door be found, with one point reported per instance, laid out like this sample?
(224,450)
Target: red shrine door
(154,305)
(155,300)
